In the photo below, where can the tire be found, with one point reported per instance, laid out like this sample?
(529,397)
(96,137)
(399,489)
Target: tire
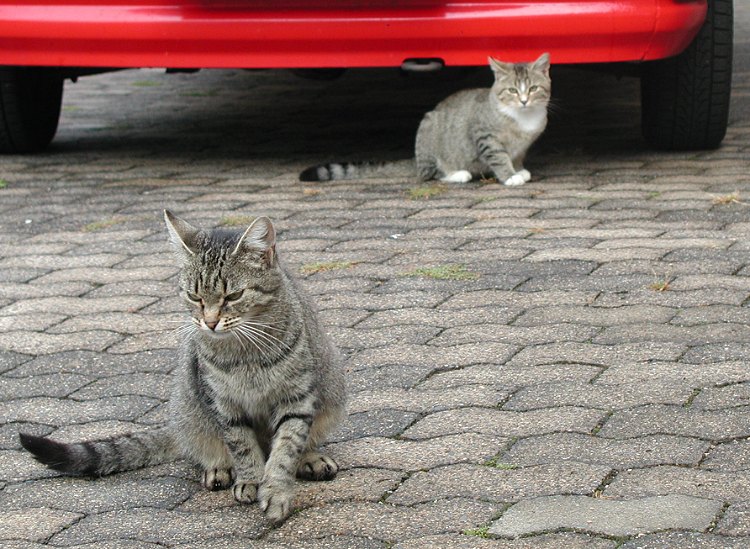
(30,100)
(685,99)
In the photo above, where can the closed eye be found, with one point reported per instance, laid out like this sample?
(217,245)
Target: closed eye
(193,297)
(234,296)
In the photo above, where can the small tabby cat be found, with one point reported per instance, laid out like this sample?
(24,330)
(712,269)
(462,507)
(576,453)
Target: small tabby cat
(259,385)
(472,133)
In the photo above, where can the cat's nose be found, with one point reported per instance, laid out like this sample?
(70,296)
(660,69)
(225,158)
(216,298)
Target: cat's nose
(211,324)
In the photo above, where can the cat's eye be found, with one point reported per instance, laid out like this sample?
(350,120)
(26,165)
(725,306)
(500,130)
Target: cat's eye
(533,88)
(234,296)
(193,297)
(513,91)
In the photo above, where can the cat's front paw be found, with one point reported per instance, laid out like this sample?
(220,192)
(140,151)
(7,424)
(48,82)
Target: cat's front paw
(245,491)
(217,479)
(275,500)
(525,174)
(315,466)
(515,180)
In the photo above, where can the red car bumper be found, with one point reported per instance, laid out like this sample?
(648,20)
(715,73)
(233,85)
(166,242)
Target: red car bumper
(346,33)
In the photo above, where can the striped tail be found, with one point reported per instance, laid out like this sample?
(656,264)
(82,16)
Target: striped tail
(102,457)
(357,170)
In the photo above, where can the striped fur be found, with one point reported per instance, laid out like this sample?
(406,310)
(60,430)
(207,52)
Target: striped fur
(473,133)
(259,385)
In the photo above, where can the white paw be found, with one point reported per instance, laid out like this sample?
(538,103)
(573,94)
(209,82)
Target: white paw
(461,176)
(244,491)
(525,174)
(515,180)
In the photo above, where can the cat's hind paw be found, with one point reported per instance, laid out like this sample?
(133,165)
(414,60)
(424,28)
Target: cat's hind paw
(244,491)
(315,466)
(525,174)
(217,479)
(515,180)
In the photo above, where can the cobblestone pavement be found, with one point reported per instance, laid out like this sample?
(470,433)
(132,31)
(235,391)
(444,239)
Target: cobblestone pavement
(560,365)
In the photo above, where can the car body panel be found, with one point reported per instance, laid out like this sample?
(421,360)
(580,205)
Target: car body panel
(250,34)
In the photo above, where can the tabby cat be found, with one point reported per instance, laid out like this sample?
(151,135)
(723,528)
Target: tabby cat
(473,133)
(258,387)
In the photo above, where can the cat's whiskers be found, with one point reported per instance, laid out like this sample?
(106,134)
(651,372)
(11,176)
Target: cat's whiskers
(260,338)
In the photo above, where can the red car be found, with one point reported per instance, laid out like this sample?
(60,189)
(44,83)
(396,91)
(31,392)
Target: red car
(681,48)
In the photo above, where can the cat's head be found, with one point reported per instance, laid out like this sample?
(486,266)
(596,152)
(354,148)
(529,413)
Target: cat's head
(228,279)
(522,85)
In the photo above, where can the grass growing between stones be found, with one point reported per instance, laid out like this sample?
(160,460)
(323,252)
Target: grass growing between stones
(313,268)
(728,199)
(3,183)
(236,221)
(495,463)
(426,192)
(451,271)
(103,224)
(478,532)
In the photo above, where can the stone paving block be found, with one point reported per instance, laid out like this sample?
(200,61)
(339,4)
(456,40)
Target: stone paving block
(9,433)
(523,300)
(505,423)
(718,352)
(394,375)
(423,401)
(728,396)
(373,423)
(43,343)
(328,542)
(52,385)
(685,540)
(385,522)
(152,288)
(595,316)
(35,524)
(728,456)
(99,275)
(91,496)
(514,335)
(665,243)
(684,298)
(618,454)
(167,339)
(414,455)
(444,318)
(35,322)
(733,487)
(18,466)
(659,418)
(595,254)
(53,262)
(54,411)
(79,237)
(607,517)
(591,353)
(690,335)
(95,429)
(694,374)
(736,521)
(13,290)
(488,483)
(436,357)
(544,541)
(150,384)
(356,338)
(598,395)
(708,315)
(511,377)
(95,364)
(77,306)
(163,526)
(120,322)
(375,302)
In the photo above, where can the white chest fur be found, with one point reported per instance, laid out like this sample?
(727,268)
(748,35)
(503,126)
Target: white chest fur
(529,119)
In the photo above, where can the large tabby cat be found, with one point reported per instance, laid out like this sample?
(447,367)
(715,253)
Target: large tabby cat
(472,133)
(259,385)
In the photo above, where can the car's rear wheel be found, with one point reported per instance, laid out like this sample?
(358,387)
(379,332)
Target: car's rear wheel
(30,100)
(685,99)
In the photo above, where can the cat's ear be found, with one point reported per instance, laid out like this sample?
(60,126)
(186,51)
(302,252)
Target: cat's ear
(499,67)
(542,64)
(259,236)
(181,233)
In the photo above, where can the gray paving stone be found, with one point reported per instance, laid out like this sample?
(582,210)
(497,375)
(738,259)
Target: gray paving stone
(53,411)
(514,335)
(10,360)
(733,487)
(595,316)
(511,377)
(506,423)
(87,496)
(727,396)
(35,524)
(736,521)
(100,275)
(728,456)
(122,323)
(489,483)
(98,364)
(425,401)
(43,343)
(545,541)
(373,423)
(718,352)
(618,454)
(386,522)
(77,306)
(163,526)
(689,335)
(690,373)
(52,385)
(36,322)
(436,357)
(150,384)
(443,318)
(607,517)
(14,290)
(504,298)
(329,542)
(598,395)
(9,433)
(604,355)
(711,314)
(414,455)
(658,418)
(686,540)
